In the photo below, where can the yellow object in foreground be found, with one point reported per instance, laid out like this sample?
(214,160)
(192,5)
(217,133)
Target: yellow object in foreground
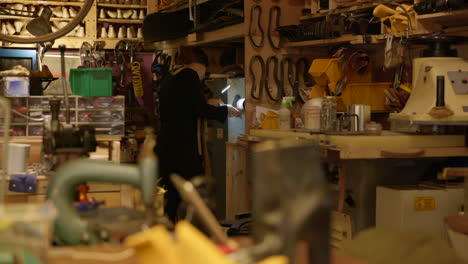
(271,121)
(189,245)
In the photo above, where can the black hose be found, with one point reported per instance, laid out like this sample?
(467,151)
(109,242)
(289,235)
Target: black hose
(253,90)
(259,24)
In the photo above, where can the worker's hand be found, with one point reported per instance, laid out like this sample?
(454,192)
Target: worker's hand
(215,102)
(233,111)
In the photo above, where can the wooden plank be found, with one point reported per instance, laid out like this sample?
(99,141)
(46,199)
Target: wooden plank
(30,18)
(90,22)
(229,33)
(324,13)
(238,186)
(425,153)
(448,19)
(121,6)
(372,147)
(353,39)
(39,2)
(121,21)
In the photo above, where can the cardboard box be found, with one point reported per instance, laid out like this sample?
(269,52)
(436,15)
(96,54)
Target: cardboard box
(15,86)
(421,207)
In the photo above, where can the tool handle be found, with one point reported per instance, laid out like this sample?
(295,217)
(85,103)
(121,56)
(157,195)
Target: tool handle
(64,83)
(190,194)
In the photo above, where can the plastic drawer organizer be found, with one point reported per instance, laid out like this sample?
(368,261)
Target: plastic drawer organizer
(105,114)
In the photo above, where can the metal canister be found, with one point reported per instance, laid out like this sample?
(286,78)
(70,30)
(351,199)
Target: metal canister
(364,114)
(328,114)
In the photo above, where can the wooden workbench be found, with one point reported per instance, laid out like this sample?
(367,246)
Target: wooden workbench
(110,193)
(388,145)
(365,162)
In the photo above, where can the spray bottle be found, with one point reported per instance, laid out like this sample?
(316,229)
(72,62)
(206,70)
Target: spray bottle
(285,113)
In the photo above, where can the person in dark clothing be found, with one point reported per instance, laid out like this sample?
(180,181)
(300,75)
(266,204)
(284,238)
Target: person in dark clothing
(182,104)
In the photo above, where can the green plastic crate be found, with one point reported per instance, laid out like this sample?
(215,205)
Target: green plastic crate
(91,81)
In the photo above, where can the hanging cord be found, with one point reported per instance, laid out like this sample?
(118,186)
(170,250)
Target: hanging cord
(290,72)
(269,90)
(259,24)
(277,10)
(253,90)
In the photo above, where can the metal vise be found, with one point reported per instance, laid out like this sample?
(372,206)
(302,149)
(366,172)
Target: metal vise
(69,227)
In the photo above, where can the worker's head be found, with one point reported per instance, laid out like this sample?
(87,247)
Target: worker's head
(194,58)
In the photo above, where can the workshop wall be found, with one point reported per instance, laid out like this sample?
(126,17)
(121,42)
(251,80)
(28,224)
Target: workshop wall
(290,14)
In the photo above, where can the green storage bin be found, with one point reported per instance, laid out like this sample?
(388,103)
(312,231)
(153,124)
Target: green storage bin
(91,81)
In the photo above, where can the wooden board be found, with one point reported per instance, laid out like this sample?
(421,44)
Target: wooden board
(229,33)
(290,13)
(389,145)
(448,19)
(238,185)
(352,39)
(40,2)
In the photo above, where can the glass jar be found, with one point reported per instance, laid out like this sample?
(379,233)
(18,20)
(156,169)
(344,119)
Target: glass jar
(328,114)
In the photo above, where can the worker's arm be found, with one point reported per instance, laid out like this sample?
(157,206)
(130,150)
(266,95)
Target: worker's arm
(200,107)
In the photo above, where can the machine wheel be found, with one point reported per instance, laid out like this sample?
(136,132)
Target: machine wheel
(87,4)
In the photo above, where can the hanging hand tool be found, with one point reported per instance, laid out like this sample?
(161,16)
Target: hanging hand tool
(287,62)
(86,54)
(99,53)
(64,83)
(253,91)
(302,70)
(269,90)
(273,10)
(258,9)
(119,54)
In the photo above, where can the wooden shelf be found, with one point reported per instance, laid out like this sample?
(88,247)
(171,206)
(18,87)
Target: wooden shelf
(70,43)
(39,2)
(30,18)
(121,6)
(121,21)
(229,33)
(35,139)
(353,8)
(325,13)
(180,6)
(352,39)
(375,147)
(446,19)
